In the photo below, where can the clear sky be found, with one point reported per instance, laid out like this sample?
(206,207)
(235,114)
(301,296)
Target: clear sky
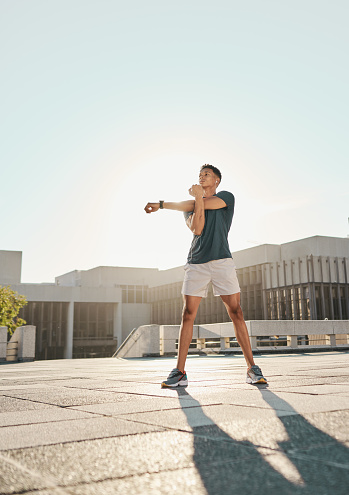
(107,104)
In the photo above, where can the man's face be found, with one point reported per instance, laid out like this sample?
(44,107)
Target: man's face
(207,178)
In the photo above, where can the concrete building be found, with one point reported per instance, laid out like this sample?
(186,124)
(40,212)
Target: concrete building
(90,312)
(301,280)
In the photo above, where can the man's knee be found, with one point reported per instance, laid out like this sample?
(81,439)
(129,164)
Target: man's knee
(188,313)
(236,312)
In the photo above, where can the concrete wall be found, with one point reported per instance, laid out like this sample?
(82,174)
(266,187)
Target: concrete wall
(133,316)
(267,253)
(170,276)
(3,343)
(270,253)
(317,246)
(142,341)
(108,276)
(10,267)
(21,346)
(154,339)
(52,292)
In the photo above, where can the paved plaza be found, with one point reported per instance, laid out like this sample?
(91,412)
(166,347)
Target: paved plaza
(104,426)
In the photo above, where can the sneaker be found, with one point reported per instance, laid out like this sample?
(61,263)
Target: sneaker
(175,379)
(255,375)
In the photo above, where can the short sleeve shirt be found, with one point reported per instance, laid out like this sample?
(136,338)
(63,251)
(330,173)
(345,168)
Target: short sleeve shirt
(212,244)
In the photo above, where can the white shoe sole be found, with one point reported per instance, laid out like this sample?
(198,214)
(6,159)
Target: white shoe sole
(182,383)
(254,382)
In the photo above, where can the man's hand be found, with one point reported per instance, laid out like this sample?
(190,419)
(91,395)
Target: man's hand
(197,191)
(151,207)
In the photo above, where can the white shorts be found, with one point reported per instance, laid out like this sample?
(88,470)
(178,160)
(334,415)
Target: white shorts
(222,274)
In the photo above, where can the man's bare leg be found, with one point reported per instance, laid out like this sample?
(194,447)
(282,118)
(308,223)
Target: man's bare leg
(190,308)
(232,304)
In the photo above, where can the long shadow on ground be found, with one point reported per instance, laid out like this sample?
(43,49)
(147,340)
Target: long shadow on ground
(308,462)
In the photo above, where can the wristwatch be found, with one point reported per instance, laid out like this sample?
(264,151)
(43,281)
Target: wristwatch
(161,204)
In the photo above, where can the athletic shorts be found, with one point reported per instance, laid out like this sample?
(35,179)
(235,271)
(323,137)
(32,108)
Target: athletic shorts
(222,274)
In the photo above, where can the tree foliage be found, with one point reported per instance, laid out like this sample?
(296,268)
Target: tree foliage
(10,304)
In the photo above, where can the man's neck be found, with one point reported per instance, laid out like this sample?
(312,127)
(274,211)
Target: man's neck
(209,191)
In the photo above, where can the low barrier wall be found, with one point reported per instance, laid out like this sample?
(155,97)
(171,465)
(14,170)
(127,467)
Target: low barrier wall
(21,346)
(161,340)
(141,341)
(3,343)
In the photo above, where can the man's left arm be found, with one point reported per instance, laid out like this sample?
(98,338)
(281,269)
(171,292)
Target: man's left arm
(221,200)
(214,203)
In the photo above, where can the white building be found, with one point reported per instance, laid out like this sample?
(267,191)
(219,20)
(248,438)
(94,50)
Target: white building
(84,313)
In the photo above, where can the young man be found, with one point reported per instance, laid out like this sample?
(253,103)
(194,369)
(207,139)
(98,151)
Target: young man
(209,217)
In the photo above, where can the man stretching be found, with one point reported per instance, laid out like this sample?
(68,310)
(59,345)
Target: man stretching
(209,217)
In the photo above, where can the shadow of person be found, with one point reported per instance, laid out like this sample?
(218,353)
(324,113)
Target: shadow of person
(229,466)
(321,460)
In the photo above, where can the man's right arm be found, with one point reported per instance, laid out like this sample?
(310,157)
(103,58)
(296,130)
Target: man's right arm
(181,206)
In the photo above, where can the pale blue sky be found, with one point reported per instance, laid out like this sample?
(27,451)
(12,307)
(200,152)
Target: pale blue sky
(106,105)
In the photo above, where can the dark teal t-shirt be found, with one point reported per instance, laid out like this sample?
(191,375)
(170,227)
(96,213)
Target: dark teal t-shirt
(212,244)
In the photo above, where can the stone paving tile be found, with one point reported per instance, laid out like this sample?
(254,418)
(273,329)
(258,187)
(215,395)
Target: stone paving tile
(54,383)
(227,476)
(14,480)
(139,390)
(85,383)
(9,404)
(40,416)
(155,388)
(322,478)
(288,433)
(186,481)
(98,460)
(136,406)
(336,371)
(281,383)
(333,424)
(69,397)
(302,403)
(334,457)
(22,387)
(188,418)
(262,433)
(282,433)
(15,437)
(318,389)
(54,491)
(169,399)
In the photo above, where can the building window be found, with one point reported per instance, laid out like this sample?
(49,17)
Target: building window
(298,304)
(344,303)
(282,315)
(289,304)
(336,303)
(306,304)
(327,313)
(134,293)
(93,320)
(50,320)
(318,304)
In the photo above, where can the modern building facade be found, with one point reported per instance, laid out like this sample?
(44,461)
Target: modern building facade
(301,280)
(89,313)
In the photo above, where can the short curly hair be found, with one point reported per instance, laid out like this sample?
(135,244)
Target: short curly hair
(214,169)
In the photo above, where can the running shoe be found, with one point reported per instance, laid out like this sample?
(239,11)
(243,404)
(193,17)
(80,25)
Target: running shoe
(175,379)
(255,375)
